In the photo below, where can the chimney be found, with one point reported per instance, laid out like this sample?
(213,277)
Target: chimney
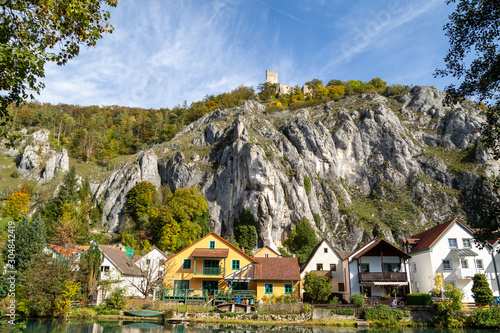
(232,239)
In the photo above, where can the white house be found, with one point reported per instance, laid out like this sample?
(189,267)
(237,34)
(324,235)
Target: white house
(378,268)
(325,260)
(136,275)
(449,249)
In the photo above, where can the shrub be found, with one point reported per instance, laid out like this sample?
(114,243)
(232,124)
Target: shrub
(229,314)
(419,299)
(383,312)
(357,300)
(343,312)
(307,185)
(485,318)
(481,290)
(117,299)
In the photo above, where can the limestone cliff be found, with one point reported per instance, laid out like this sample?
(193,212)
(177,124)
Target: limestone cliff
(376,166)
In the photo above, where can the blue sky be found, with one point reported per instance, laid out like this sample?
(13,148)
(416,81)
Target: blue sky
(165,52)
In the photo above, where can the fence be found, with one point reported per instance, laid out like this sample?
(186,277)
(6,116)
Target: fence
(139,303)
(281,308)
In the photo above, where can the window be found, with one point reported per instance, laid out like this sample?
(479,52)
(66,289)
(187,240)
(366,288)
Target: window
(333,267)
(391,268)
(266,255)
(186,264)
(211,245)
(288,288)
(148,262)
(104,268)
(319,267)
(447,264)
(479,264)
(240,285)
(452,242)
(235,264)
(414,267)
(466,242)
(465,263)
(326,250)
(365,268)
(341,286)
(268,288)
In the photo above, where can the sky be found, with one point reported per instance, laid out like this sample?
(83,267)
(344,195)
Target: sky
(165,52)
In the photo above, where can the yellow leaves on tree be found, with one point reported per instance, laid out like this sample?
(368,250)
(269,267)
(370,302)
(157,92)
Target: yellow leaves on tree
(17,204)
(66,228)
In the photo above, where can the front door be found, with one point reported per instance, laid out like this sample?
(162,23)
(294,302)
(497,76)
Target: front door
(210,286)
(366,290)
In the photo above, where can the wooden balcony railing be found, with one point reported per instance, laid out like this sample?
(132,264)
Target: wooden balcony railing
(382,277)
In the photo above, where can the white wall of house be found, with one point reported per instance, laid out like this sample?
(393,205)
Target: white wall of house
(326,256)
(440,258)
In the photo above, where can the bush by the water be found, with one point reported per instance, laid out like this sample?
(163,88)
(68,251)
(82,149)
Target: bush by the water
(383,312)
(419,299)
(357,300)
(343,312)
(485,318)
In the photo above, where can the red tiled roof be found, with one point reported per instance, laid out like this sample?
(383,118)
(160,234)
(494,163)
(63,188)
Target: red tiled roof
(428,237)
(68,252)
(277,269)
(210,253)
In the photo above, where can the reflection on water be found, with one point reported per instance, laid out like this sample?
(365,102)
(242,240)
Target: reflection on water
(56,326)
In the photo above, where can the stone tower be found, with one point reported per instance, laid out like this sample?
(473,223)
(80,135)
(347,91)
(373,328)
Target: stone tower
(271,77)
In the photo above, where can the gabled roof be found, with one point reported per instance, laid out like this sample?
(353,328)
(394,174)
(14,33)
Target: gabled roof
(267,247)
(213,234)
(369,249)
(268,269)
(120,260)
(341,254)
(427,238)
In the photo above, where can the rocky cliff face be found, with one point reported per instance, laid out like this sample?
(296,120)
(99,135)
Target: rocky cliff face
(360,167)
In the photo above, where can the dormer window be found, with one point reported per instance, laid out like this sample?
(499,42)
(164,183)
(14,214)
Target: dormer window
(211,245)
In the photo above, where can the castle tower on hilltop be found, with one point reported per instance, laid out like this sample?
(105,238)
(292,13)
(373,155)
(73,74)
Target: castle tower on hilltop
(271,77)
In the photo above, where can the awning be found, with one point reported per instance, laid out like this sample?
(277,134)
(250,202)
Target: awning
(383,283)
(210,253)
(464,252)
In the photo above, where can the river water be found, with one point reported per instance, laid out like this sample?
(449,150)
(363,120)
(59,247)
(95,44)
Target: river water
(56,326)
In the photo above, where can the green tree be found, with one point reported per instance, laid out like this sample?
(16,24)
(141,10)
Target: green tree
(29,242)
(45,281)
(182,220)
(140,200)
(357,300)
(481,290)
(317,288)
(246,230)
(90,269)
(37,32)
(267,91)
(474,54)
(302,241)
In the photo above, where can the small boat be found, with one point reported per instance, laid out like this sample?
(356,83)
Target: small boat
(143,313)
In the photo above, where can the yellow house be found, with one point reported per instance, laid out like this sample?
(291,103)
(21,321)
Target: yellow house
(197,272)
(212,267)
(267,252)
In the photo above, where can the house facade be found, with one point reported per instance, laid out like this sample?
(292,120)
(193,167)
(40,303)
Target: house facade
(267,252)
(376,269)
(325,260)
(449,249)
(213,268)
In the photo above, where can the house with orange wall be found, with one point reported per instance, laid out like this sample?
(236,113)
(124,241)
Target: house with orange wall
(214,268)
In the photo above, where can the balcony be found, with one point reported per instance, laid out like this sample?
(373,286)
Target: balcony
(464,273)
(382,277)
(208,271)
